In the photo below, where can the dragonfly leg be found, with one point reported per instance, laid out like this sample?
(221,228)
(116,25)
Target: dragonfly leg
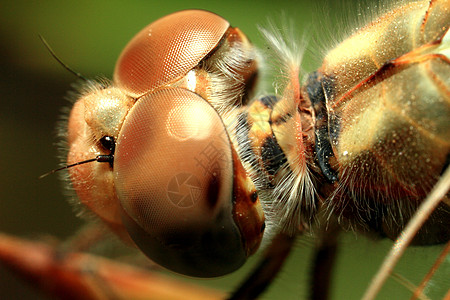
(323,262)
(267,269)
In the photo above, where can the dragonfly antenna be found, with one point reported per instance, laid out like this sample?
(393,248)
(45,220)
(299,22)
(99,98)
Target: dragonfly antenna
(99,158)
(64,65)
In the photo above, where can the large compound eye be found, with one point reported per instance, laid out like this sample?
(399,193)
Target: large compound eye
(173,173)
(167,49)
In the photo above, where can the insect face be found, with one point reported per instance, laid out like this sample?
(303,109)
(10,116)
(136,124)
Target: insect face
(176,187)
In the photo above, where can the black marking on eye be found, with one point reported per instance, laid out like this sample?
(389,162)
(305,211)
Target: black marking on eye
(272,155)
(254,197)
(213,190)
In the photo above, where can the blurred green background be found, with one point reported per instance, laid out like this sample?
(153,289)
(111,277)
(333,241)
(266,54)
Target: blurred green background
(88,36)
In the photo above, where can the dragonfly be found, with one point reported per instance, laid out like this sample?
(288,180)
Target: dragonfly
(359,144)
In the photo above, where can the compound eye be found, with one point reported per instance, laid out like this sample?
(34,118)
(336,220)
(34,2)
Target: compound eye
(173,173)
(167,50)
